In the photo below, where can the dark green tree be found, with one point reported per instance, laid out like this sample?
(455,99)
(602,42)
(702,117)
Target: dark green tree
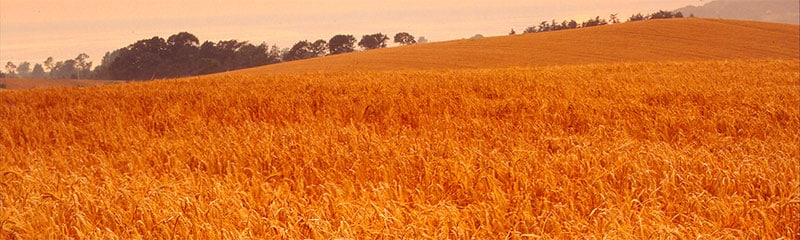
(613,19)
(572,24)
(82,67)
(405,38)
(49,64)
(637,17)
(300,50)
(183,39)
(24,70)
(226,53)
(208,59)
(38,71)
(597,21)
(373,41)
(341,44)
(250,55)
(544,26)
(11,69)
(661,14)
(275,55)
(208,65)
(141,60)
(102,71)
(182,54)
(319,48)
(65,70)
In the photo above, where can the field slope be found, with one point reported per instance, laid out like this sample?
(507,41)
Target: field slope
(30,83)
(689,145)
(657,40)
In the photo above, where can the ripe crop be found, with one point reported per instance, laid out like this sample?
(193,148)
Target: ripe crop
(688,39)
(704,149)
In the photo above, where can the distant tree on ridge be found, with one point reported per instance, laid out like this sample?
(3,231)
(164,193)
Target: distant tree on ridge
(341,44)
(38,71)
(24,69)
(300,50)
(404,38)
(373,41)
(11,68)
(319,48)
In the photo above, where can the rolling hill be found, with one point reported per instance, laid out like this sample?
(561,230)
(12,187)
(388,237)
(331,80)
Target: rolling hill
(686,39)
(29,83)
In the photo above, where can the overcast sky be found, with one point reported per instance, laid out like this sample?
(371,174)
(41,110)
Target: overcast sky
(32,30)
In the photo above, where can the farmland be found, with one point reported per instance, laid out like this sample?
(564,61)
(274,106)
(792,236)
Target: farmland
(29,83)
(658,40)
(669,148)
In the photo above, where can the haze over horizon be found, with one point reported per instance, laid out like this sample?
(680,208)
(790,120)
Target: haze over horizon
(33,30)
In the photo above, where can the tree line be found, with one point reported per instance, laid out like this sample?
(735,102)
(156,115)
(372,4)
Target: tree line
(78,67)
(182,54)
(179,55)
(343,44)
(661,14)
(553,25)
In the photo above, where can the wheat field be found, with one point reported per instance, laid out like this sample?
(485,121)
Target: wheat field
(31,83)
(687,149)
(687,39)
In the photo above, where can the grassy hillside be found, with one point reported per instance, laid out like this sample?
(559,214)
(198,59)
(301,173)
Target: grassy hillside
(657,40)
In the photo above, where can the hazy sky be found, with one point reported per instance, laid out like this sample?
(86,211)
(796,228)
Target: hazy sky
(32,30)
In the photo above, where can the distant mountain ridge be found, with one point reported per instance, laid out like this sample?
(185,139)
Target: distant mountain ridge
(780,11)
